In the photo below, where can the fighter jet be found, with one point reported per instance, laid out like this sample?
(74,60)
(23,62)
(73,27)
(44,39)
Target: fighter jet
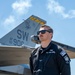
(16,46)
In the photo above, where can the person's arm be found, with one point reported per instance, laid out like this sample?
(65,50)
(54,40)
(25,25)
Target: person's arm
(63,61)
(31,65)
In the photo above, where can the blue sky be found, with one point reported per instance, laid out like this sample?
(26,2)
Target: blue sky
(59,14)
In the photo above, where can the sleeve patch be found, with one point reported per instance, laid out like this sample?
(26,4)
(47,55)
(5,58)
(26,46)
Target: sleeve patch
(62,53)
(67,59)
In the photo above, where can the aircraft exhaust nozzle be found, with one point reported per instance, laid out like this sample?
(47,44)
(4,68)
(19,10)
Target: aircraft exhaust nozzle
(35,39)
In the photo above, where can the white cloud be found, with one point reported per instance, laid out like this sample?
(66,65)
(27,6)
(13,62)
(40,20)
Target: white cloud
(9,20)
(54,6)
(21,6)
(72,13)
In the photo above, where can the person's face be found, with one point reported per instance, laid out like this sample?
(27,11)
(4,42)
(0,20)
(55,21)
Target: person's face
(44,35)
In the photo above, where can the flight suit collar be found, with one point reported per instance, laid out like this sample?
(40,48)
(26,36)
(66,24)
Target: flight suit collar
(45,49)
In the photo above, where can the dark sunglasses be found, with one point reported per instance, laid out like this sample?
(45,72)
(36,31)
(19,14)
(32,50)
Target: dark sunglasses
(42,32)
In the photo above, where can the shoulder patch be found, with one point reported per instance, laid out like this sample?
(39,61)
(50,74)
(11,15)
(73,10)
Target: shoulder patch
(64,54)
(61,51)
(67,59)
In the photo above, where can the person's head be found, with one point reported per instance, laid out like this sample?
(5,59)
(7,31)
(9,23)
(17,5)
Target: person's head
(45,33)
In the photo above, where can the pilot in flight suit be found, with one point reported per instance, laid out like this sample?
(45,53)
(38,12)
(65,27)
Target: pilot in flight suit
(50,59)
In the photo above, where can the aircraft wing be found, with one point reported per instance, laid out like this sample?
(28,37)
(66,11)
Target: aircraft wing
(70,50)
(10,55)
(14,55)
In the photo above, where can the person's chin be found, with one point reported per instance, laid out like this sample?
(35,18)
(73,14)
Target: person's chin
(41,40)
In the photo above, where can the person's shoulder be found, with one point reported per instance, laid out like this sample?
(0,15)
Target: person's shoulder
(61,52)
(54,46)
(58,48)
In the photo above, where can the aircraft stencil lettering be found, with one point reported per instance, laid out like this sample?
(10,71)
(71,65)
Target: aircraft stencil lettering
(15,42)
(22,35)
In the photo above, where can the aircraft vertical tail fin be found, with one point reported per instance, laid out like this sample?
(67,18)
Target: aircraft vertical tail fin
(22,33)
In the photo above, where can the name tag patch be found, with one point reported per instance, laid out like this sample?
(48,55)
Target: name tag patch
(51,51)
